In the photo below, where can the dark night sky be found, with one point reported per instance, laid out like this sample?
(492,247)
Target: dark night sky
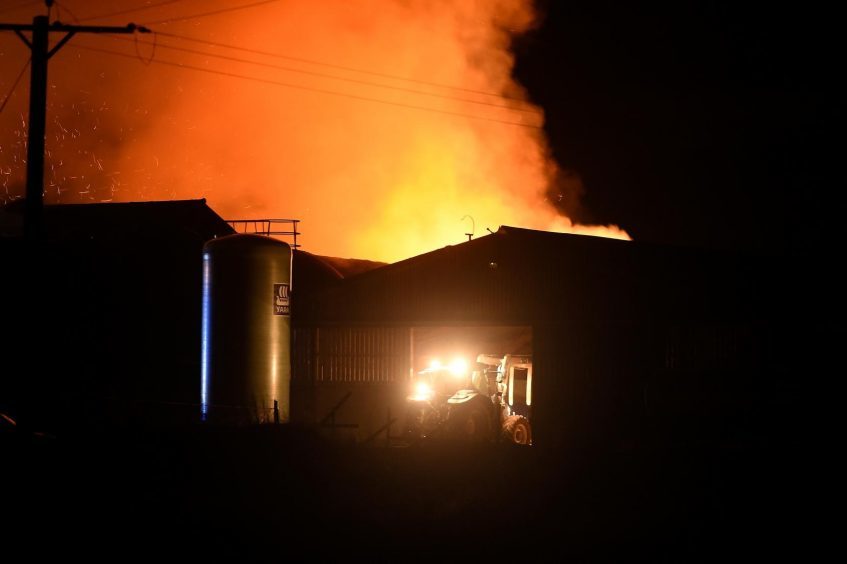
(699,122)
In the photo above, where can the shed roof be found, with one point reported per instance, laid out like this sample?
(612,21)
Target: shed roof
(122,221)
(523,276)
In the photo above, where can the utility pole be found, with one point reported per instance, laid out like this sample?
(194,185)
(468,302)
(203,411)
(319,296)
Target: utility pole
(39,46)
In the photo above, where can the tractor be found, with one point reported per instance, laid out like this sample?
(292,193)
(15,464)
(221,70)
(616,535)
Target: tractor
(491,403)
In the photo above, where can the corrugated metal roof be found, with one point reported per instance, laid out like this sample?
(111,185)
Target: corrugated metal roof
(521,276)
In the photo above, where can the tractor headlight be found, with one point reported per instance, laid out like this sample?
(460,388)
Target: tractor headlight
(422,392)
(459,367)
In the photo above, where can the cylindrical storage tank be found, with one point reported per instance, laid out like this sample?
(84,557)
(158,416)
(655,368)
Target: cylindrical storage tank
(246,330)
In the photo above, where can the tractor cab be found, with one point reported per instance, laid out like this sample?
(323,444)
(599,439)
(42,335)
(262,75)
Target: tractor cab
(509,378)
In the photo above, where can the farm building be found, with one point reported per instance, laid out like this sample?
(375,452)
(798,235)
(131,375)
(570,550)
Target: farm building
(101,322)
(629,341)
(105,320)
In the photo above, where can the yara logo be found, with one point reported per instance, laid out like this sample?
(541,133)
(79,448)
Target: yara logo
(281,291)
(281,299)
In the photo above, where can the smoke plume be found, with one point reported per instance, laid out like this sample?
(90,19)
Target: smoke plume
(388,127)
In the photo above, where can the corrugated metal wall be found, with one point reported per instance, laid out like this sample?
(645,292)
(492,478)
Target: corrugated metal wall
(355,355)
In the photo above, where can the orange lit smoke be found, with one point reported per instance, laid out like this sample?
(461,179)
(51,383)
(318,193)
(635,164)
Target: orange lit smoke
(377,180)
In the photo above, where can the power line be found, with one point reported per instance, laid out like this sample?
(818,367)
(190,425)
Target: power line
(212,13)
(60,7)
(130,10)
(152,56)
(528,109)
(14,85)
(335,66)
(300,59)
(312,89)
(335,77)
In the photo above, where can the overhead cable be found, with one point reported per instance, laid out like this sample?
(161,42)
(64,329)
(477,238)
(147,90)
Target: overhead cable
(154,44)
(14,85)
(336,66)
(129,10)
(211,13)
(312,89)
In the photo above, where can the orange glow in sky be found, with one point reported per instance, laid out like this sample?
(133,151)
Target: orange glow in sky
(383,164)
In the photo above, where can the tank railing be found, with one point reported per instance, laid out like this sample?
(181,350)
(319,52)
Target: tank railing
(268,228)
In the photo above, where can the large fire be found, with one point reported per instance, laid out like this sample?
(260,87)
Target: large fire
(434,140)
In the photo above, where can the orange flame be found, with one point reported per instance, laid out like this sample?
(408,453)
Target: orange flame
(374,165)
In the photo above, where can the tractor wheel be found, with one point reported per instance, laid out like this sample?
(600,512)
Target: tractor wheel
(471,423)
(516,430)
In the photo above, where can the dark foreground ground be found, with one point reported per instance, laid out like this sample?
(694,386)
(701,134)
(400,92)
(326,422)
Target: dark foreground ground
(281,494)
